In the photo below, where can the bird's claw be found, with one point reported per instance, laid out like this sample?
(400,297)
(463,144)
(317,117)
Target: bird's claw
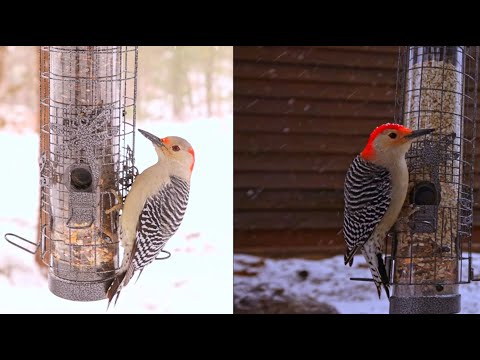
(413,210)
(119,204)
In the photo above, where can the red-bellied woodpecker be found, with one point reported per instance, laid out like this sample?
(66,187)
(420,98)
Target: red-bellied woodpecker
(154,207)
(375,189)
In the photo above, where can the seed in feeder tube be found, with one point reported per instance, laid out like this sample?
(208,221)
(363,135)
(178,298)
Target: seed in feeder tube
(73,237)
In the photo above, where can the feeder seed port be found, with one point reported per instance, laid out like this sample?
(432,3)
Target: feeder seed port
(81,180)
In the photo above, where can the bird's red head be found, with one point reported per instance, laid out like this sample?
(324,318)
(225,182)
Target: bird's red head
(178,148)
(190,150)
(175,148)
(396,134)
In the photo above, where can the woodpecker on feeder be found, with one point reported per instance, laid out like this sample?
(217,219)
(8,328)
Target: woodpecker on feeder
(154,207)
(375,188)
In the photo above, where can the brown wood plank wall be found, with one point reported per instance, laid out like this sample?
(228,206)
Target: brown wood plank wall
(301,115)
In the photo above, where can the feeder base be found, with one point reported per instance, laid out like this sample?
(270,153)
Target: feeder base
(440,304)
(78,290)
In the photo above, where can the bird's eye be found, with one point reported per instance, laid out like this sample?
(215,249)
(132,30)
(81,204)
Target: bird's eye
(392,135)
(176,148)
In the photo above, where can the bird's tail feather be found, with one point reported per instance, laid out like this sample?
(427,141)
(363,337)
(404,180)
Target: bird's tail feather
(349,253)
(379,272)
(379,289)
(122,277)
(115,287)
(128,274)
(140,273)
(383,274)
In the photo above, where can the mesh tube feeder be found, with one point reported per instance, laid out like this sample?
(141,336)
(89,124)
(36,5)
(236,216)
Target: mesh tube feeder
(87,124)
(430,247)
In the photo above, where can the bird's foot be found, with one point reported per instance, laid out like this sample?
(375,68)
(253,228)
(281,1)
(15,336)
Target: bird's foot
(119,204)
(413,210)
(404,219)
(112,237)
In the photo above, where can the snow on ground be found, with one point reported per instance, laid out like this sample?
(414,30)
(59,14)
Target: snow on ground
(328,281)
(198,276)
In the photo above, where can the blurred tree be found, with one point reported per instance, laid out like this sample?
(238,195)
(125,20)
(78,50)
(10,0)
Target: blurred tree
(18,86)
(177,80)
(209,68)
(189,80)
(3,51)
(3,84)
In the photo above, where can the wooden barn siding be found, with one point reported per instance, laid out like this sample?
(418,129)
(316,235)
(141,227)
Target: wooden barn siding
(301,115)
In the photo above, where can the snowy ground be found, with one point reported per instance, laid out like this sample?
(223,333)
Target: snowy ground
(328,281)
(198,276)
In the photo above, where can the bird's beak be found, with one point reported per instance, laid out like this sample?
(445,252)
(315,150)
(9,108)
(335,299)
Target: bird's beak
(416,133)
(155,140)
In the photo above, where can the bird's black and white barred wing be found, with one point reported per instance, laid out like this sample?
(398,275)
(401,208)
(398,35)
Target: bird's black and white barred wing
(367,194)
(160,218)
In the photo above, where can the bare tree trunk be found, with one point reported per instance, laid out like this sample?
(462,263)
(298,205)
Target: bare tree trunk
(176,76)
(3,84)
(209,70)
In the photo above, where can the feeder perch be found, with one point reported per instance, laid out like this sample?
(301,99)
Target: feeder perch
(429,254)
(87,110)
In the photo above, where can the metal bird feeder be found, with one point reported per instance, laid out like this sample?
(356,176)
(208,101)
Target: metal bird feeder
(87,127)
(430,247)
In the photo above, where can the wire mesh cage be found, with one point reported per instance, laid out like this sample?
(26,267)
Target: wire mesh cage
(430,248)
(87,124)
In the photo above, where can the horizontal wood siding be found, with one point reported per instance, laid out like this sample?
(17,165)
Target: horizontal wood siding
(300,116)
